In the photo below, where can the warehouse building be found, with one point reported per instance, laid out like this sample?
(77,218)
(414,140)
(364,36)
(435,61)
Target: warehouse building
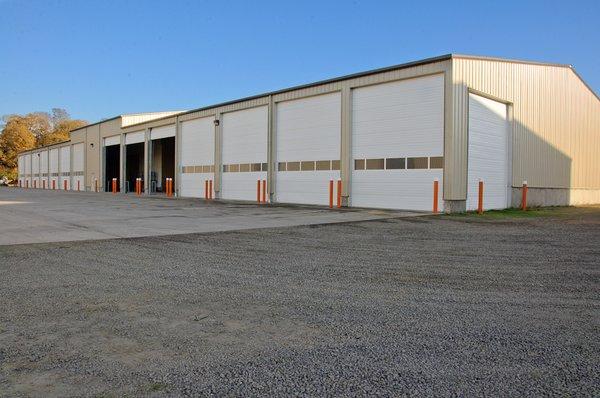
(414,136)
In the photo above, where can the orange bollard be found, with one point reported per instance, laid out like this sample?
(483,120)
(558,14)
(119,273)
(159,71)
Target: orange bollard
(524,199)
(96,184)
(65,185)
(339,194)
(258,191)
(331,194)
(264,191)
(210,189)
(480,198)
(114,185)
(53,184)
(435,196)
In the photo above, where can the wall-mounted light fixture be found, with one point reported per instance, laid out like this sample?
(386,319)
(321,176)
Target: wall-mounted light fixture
(216,122)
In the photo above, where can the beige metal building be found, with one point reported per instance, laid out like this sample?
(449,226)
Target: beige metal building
(385,134)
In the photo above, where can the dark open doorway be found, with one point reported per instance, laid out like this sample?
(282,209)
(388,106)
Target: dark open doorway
(134,164)
(162,163)
(112,165)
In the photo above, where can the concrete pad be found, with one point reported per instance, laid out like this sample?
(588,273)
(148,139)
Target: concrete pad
(38,216)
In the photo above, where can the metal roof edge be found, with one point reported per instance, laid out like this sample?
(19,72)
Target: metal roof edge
(584,82)
(43,148)
(95,123)
(516,61)
(440,58)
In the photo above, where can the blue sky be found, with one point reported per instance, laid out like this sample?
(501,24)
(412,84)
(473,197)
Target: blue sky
(99,59)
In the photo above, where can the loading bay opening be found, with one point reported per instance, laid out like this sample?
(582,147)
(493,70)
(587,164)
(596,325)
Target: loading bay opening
(112,165)
(162,163)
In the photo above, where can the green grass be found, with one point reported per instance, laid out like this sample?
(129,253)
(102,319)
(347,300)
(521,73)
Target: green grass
(518,213)
(157,387)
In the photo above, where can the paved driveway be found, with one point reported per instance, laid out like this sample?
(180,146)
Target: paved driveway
(37,216)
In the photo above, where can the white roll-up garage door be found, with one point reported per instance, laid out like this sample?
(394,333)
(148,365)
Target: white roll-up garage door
(65,167)
(35,169)
(114,140)
(27,162)
(308,148)
(44,169)
(197,156)
(244,152)
(135,138)
(78,168)
(162,132)
(398,144)
(487,153)
(53,156)
(21,170)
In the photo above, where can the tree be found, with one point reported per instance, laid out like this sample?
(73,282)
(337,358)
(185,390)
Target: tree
(24,132)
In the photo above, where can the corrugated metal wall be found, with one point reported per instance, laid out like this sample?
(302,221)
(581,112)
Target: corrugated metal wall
(131,119)
(556,123)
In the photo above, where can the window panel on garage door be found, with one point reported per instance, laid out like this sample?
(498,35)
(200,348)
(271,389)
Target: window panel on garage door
(197,156)
(244,149)
(397,129)
(308,134)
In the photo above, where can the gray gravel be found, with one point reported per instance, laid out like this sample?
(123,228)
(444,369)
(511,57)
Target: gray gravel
(421,306)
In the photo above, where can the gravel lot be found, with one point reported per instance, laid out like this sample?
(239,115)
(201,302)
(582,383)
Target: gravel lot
(453,305)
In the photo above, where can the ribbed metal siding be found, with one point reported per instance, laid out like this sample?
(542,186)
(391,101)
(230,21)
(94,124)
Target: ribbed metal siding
(129,120)
(556,123)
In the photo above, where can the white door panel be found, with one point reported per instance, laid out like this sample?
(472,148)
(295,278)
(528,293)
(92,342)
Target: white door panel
(404,189)
(78,168)
(28,180)
(21,170)
(197,156)
(399,120)
(135,138)
(308,129)
(44,168)
(114,140)
(487,153)
(241,186)
(35,169)
(244,143)
(65,167)
(162,132)
(53,168)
